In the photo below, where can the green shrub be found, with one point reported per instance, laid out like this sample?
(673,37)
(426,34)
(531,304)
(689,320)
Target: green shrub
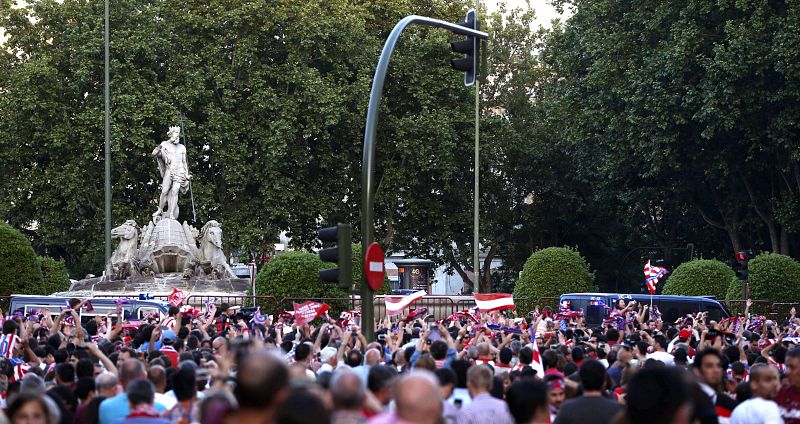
(296,275)
(19,265)
(54,276)
(700,277)
(775,278)
(552,272)
(734,290)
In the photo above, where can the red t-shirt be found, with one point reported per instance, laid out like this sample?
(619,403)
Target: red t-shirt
(788,400)
(172,354)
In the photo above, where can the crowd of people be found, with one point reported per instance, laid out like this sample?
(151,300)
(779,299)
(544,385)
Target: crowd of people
(548,366)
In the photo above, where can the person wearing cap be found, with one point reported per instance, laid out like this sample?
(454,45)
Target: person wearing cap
(683,336)
(168,338)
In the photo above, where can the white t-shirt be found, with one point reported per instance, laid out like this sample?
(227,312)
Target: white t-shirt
(664,357)
(757,411)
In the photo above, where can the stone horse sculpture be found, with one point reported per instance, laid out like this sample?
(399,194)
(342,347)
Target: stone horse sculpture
(211,258)
(122,262)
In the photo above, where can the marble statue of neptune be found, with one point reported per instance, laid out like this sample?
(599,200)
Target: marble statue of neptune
(171,158)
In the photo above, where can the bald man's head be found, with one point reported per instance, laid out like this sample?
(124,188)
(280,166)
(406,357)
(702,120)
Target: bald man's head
(158,376)
(373,357)
(418,398)
(263,380)
(483,349)
(105,384)
(347,390)
(131,369)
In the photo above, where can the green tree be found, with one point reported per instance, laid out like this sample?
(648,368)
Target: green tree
(19,265)
(700,277)
(274,105)
(774,277)
(54,276)
(552,272)
(689,99)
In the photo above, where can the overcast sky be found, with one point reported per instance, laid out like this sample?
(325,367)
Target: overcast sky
(545,12)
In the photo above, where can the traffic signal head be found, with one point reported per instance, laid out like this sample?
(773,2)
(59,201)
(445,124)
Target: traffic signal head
(470,47)
(742,259)
(341,254)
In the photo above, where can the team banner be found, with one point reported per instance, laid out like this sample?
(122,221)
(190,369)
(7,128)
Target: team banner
(308,311)
(177,296)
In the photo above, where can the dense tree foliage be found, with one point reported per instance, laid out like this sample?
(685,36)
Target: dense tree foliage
(680,117)
(54,276)
(628,125)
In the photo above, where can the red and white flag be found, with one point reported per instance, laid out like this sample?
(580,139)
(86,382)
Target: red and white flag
(308,311)
(177,296)
(536,363)
(494,301)
(653,274)
(396,304)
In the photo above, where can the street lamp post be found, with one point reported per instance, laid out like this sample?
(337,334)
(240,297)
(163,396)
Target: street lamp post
(368,160)
(107,141)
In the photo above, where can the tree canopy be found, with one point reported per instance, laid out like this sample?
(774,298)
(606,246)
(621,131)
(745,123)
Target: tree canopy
(627,125)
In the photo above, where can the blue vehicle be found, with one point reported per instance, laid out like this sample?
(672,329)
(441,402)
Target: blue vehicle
(596,306)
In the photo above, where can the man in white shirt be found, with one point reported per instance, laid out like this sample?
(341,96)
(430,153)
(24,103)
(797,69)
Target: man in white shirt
(659,343)
(760,409)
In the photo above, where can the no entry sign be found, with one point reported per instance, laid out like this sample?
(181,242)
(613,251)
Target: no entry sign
(373,266)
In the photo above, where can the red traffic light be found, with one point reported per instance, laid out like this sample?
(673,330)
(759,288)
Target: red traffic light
(744,255)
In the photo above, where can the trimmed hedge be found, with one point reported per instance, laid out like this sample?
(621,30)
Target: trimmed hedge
(296,275)
(55,277)
(552,272)
(775,278)
(19,266)
(734,290)
(700,277)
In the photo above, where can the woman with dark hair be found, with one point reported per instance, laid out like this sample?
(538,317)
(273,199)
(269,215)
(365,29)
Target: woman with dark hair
(29,408)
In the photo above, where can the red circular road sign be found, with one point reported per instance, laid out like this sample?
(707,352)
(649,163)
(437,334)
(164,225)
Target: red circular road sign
(373,266)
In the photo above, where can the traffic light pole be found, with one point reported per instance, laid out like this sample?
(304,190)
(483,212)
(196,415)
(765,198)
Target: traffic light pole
(368,160)
(476,242)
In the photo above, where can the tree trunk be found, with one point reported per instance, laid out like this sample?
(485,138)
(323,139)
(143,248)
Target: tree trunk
(729,228)
(764,215)
(469,286)
(486,272)
(784,242)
